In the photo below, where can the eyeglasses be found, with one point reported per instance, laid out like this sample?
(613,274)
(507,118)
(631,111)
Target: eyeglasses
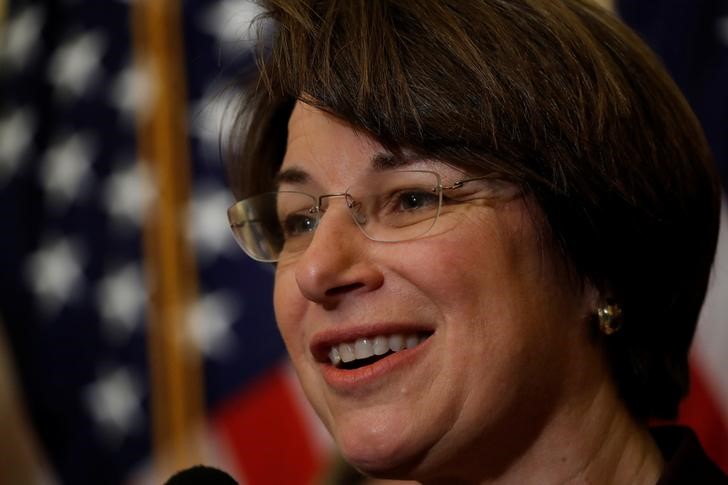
(391,206)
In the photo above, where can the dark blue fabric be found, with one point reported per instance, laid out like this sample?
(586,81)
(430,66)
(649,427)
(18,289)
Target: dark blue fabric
(691,37)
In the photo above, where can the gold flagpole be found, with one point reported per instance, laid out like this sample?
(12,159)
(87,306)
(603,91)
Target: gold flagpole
(175,365)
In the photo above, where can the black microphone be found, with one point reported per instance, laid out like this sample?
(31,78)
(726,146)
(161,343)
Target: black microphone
(201,475)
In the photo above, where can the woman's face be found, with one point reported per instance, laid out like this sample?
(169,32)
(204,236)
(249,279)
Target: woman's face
(502,328)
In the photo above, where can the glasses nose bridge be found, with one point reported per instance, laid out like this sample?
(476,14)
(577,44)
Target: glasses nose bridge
(349,201)
(321,198)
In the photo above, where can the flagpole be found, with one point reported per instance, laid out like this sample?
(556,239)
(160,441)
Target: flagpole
(175,365)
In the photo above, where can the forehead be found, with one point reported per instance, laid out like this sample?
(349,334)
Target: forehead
(321,144)
(325,149)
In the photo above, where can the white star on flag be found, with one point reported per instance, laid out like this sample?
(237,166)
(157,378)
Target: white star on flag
(55,273)
(21,36)
(722,29)
(230,22)
(114,401)
(209,323)
(128,194)
(76,64)
(212,118)
(121,298)
(16,133)
(132,92)
(66,167)
(209,228)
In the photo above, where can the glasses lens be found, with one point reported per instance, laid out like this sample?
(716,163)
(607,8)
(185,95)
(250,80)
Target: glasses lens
(271,225)
(396,206)
(387,207)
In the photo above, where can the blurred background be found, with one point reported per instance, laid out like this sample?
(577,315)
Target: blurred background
(136,339)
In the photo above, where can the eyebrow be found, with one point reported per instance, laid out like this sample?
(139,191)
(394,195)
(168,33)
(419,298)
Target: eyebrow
(388,161)
(293,175)
(379,162)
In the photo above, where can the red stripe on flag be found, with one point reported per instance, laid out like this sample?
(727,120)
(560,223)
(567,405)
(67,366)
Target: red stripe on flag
(701,412)
(267,435)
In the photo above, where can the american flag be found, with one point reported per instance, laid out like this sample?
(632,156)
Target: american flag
(83,297)
(691,37)
(79,301)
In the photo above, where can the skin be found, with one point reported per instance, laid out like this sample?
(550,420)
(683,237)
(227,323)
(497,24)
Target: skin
(510,385)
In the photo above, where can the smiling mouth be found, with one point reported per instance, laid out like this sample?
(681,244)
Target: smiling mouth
(366,351)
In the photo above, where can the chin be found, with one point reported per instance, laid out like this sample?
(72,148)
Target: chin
(385,467)
(382,452)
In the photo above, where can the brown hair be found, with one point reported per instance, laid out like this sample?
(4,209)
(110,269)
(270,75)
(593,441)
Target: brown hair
(556,96)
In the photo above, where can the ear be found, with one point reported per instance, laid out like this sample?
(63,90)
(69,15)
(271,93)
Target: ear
(603,310)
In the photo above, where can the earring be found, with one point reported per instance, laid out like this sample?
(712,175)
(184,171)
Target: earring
(610,318)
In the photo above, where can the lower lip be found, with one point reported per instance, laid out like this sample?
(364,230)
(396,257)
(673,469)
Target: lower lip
(348,381)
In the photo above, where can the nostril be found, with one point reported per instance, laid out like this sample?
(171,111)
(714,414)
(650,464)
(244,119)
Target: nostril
(343,289)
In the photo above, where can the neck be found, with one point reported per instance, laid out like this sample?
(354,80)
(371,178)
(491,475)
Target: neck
(593,441)
(604,445)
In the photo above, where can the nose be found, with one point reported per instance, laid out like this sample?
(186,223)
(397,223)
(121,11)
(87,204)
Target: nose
(337,263)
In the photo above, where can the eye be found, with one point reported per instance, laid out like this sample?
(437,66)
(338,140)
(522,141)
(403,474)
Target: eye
(298,224)
(412,200)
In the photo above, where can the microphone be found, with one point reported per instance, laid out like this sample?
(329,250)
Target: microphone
(201,475)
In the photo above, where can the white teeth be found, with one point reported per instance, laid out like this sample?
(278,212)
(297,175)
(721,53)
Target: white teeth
(334,356)
(396,342)
(412,341)
(381,345)
(346,351)
(364,348)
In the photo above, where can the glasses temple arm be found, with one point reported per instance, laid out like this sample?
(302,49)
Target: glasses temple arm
(460,183)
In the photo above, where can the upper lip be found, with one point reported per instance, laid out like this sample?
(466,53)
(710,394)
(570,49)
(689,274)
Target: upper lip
(322,341)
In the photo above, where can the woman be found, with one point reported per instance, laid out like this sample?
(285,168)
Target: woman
(493,224)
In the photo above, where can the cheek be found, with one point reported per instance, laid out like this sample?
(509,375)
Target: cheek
(472,265)
(499,294)
(289,306)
